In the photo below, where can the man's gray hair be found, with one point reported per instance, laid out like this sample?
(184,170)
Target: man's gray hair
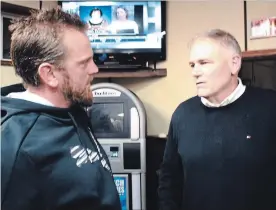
(221,36)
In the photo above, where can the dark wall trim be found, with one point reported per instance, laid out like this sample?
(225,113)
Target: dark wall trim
(15,9)
(6,63)
(259,54)
(40,4)
(245,25)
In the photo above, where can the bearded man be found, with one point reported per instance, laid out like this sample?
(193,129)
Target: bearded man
(50,157)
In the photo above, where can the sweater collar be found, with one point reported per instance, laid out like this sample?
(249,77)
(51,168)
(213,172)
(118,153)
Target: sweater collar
(230,99)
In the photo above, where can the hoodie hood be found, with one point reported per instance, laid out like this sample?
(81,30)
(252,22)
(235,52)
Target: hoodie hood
(10,106)
(15,100)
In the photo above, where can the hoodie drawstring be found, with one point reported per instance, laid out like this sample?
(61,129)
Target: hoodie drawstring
(91,137)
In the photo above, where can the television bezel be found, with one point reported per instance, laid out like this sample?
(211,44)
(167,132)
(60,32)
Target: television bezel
(139,56)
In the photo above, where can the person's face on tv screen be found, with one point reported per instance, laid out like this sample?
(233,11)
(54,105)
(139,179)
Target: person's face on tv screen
(121,14)
(96,14)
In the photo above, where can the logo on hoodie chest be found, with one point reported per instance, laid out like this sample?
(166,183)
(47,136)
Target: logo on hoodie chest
(85,155)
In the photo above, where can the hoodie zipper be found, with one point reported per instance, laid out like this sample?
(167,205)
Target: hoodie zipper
(95,142)
(92,138)
(103,159)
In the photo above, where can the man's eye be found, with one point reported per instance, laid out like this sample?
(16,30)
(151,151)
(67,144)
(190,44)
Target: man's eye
(84,64)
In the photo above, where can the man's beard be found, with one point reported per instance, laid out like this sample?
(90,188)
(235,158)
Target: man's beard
(77,96)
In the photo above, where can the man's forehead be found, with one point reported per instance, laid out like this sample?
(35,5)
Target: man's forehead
(205,44)
(77,42)
(204,48)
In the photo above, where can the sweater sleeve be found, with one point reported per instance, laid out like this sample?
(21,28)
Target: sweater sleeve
(171,175)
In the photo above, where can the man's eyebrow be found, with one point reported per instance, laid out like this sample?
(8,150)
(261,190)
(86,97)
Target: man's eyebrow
(200,60)
(85,59)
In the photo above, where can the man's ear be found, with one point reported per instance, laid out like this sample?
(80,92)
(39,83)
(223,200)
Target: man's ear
(236,64)
(47,76)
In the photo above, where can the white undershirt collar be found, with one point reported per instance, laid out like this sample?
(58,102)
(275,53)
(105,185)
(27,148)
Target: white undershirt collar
(230,99)
(29,96)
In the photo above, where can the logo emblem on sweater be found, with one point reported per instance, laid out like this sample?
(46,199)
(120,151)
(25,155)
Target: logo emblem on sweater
(84,156)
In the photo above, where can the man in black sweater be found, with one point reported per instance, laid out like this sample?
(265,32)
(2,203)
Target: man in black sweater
(50,158)
(221,147)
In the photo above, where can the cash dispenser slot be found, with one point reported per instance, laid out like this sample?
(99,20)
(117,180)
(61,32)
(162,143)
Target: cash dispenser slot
(132,155)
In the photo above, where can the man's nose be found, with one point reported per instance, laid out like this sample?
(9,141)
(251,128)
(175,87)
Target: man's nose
(196,71)
(93,68)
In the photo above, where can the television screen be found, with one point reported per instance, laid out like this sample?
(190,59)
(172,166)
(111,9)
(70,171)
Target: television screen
(123,27)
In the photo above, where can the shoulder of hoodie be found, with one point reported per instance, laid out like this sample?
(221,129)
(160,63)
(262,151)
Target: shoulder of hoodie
(17,122)
(15,128)
(18,130)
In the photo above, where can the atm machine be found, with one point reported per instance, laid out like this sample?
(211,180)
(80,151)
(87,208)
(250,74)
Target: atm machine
(118,120)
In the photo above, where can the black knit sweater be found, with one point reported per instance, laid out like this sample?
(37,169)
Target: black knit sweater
(221,158)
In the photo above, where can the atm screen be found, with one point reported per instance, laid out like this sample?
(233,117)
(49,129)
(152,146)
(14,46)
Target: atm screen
(107,117)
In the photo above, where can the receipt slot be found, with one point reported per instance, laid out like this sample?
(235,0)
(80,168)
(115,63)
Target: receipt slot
(118,120)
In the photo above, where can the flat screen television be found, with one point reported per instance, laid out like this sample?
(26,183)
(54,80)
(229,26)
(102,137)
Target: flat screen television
(123,31)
